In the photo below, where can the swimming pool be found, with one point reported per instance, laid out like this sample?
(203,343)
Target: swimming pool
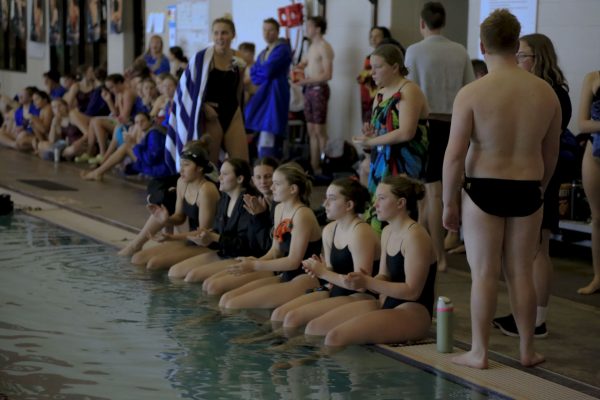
(78,322)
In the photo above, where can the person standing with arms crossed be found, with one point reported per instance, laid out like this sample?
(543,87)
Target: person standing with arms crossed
(440,67)
(506,145)
(318,70)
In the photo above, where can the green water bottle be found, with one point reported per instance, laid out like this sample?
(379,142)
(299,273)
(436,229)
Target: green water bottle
(445,322)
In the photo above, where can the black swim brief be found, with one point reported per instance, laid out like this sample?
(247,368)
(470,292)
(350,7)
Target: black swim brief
(505,198)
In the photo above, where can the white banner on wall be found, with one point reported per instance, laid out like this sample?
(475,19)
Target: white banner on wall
(192,26)
(524,10)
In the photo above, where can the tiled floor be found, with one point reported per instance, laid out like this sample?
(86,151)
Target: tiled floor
(572,347)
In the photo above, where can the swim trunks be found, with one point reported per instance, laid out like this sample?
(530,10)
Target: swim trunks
(505,198)
(315,103)
(438,135)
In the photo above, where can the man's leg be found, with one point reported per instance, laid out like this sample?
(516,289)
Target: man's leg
(484,235)
(521,244)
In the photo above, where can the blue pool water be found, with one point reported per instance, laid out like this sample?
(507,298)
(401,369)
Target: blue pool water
(78,322)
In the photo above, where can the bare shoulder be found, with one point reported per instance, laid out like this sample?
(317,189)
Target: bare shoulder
(305,214)
(209,190)
(327,49)
(364,235)
(328,230)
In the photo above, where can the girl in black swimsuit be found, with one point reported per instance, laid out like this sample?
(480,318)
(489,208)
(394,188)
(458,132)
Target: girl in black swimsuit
(223,96)
(349,245)
(297,236)
(197,199)
(405,281)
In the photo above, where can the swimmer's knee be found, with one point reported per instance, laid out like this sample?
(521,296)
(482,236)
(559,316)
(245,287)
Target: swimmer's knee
(334,338)
(292,319)
(154,264)
(177,272)
(279,314)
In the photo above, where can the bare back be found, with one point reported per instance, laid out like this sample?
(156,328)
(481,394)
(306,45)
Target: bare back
(516,126)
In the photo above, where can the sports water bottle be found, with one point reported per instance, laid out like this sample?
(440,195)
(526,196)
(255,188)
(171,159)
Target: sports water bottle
(445,322)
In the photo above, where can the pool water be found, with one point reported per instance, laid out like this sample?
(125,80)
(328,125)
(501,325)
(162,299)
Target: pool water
(78,322)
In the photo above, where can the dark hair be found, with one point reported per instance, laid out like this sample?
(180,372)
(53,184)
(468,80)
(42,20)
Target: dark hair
(500,31)
(195,150)
(43,95)
(225,21)
(272,21)
(391,54)
(384,31)
(407,188)
(268,161)
(434,15)
(295,175)
(319,23)
(115,78)
(178,53)
(52,75)
(479,67)
(247,46)
(100,73)
(81,70)
(70,75)
(545,65)
(353,191)
(241,168)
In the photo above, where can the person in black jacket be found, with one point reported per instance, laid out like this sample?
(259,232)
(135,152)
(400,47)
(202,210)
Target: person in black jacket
(261,207)
(229,237)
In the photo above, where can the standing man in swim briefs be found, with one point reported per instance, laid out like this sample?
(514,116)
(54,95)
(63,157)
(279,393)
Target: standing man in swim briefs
(318,70)
(506,144)
(440,67)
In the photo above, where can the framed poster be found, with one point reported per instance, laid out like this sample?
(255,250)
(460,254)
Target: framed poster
(93,20)
(56,22)
(116,21)
(73,15)
(38,21)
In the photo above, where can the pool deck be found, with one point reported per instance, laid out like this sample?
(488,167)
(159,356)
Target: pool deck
(112,211)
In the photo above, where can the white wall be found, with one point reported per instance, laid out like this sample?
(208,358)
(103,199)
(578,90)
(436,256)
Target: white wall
(348,25)
(574,28)
(216,9)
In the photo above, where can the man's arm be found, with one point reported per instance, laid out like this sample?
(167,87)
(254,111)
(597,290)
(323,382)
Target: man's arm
(454,159)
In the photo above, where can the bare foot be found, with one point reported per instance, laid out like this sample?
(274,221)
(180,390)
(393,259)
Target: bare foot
(451,241)
(442,266)
(129,250)
(532,360)
(470,359)
(592,288)
(90,176)
(457,250)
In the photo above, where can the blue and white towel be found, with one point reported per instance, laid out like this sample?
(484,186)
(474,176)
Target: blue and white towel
(184,120)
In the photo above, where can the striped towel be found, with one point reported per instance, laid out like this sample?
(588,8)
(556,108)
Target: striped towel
(187,105)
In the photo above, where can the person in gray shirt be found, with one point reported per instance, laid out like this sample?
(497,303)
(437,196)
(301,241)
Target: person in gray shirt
(440,67)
